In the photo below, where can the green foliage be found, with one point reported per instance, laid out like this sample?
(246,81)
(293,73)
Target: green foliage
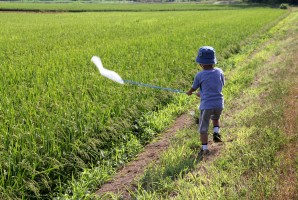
(273,2)
(283,6)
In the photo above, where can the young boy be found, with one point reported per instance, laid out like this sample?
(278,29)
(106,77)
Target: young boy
(210,81)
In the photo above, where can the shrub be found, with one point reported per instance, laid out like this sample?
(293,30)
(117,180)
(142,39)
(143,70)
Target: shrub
(283,6)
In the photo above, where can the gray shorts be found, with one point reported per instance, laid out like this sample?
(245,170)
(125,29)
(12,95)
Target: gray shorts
(205,117)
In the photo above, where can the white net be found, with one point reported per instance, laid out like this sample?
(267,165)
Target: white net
(105,72)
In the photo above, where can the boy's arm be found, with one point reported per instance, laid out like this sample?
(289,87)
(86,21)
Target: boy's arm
(194,85)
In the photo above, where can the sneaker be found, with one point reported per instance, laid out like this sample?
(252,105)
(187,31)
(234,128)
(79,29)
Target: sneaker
(202,154)
(216,137)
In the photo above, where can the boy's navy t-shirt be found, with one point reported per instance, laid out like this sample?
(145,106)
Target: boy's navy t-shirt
(210,83)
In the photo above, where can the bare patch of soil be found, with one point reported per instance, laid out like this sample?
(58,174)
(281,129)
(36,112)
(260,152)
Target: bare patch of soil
(287,187)
(123,180)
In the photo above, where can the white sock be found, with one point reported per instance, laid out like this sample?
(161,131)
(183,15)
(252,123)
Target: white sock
(215,129)
(205,146)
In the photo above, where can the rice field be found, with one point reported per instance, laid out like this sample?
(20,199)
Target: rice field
(96,6)
(58,116)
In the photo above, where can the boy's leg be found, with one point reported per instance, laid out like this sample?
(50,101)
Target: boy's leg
(216,125)
(204,140)
(203,127)
(204,150)
(215,122)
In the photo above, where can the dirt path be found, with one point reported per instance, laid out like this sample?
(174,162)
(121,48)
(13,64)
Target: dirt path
(125,176)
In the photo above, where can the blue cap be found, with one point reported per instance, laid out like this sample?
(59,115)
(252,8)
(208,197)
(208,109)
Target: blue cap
(206,55)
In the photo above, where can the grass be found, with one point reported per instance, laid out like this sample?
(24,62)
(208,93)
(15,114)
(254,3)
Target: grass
(62,124)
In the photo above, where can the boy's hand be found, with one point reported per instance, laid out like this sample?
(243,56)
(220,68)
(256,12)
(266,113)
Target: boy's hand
(189,93)
(198,94)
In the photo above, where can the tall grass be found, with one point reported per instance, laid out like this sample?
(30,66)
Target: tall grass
(58,116)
